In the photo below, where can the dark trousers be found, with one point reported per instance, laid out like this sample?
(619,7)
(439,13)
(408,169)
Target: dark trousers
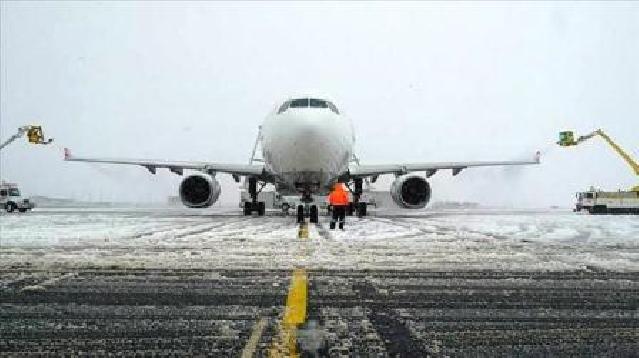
(339,213)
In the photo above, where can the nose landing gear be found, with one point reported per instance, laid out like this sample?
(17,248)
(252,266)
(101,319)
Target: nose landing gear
(307,208)
(313,213)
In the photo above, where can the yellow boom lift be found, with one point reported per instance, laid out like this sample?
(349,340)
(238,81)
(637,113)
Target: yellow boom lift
(601,202)
(34,134)
(10,197)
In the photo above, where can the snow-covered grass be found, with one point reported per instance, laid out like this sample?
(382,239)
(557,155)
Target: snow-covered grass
(432,241)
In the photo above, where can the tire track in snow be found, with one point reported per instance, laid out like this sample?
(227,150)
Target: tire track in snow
(162,229)
(446,230)
(209,227)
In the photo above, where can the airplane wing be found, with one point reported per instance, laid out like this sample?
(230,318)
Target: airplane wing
(361,171)
(176,167)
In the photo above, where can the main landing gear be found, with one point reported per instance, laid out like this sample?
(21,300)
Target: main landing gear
(357,206)
(254,205)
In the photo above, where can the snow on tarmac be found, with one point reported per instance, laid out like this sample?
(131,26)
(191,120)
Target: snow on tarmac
(427,240)
(513,241)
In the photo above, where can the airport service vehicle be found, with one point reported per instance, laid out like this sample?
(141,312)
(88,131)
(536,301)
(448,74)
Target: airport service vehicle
(271,200)
(307,146)
(608,202)
(605,202)
(11,199)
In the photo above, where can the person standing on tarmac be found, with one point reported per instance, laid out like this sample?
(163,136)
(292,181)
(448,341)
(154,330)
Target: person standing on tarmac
(338,199)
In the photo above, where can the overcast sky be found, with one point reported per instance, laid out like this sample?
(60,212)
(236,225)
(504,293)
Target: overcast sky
(421,82)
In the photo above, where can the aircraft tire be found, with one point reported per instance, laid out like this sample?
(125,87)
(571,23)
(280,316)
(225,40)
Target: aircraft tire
(361,210)
(248,208)
(314,214)
(300,214)
(10,207)
(261,208)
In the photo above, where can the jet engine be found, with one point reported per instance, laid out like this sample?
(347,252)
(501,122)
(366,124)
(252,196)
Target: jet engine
(198,191)
(410,191)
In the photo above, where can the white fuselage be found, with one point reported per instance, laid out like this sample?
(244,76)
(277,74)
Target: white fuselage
(307,149)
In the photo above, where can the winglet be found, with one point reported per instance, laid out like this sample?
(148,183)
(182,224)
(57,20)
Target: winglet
(67,154)
(538,157)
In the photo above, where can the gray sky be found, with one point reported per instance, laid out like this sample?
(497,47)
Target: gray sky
(421,82)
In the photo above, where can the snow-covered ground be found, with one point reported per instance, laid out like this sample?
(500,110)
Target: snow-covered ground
(456,240)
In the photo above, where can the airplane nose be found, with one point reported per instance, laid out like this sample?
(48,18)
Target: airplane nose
(310,141)
(310,133)
(315,133)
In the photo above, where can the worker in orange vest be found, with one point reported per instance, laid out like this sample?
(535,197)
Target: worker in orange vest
(338,199)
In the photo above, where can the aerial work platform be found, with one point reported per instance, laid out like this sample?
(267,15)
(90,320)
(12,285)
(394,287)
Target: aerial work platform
(604,202)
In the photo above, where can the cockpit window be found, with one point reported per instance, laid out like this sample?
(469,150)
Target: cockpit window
(332,107)
(318,103)
(305,103)
(284,107)
(299,103)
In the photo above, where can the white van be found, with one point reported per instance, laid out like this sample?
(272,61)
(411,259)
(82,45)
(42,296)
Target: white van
(11,199)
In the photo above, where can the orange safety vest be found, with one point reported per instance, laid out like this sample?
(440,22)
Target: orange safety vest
(339,196)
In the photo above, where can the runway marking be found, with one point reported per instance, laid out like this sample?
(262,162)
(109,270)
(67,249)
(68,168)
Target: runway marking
(251,344)
(285,343)
(296,301)
(303,232)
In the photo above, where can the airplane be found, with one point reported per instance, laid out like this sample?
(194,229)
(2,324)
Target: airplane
(307,146)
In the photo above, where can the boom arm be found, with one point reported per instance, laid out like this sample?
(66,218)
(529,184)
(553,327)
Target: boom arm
(566,139)
(34,133)
(18,134)
(620,151)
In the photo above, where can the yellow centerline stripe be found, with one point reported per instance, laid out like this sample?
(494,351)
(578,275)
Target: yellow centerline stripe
(296,301)
(285,344)
(303,232)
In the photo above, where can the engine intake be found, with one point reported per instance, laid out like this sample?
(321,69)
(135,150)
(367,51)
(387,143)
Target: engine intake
(197,191)
(410,191)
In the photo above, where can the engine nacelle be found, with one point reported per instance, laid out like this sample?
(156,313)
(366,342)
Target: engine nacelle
(410,191)
(198,191)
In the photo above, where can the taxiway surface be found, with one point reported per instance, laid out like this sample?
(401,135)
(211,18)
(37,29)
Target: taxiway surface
(458,283)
